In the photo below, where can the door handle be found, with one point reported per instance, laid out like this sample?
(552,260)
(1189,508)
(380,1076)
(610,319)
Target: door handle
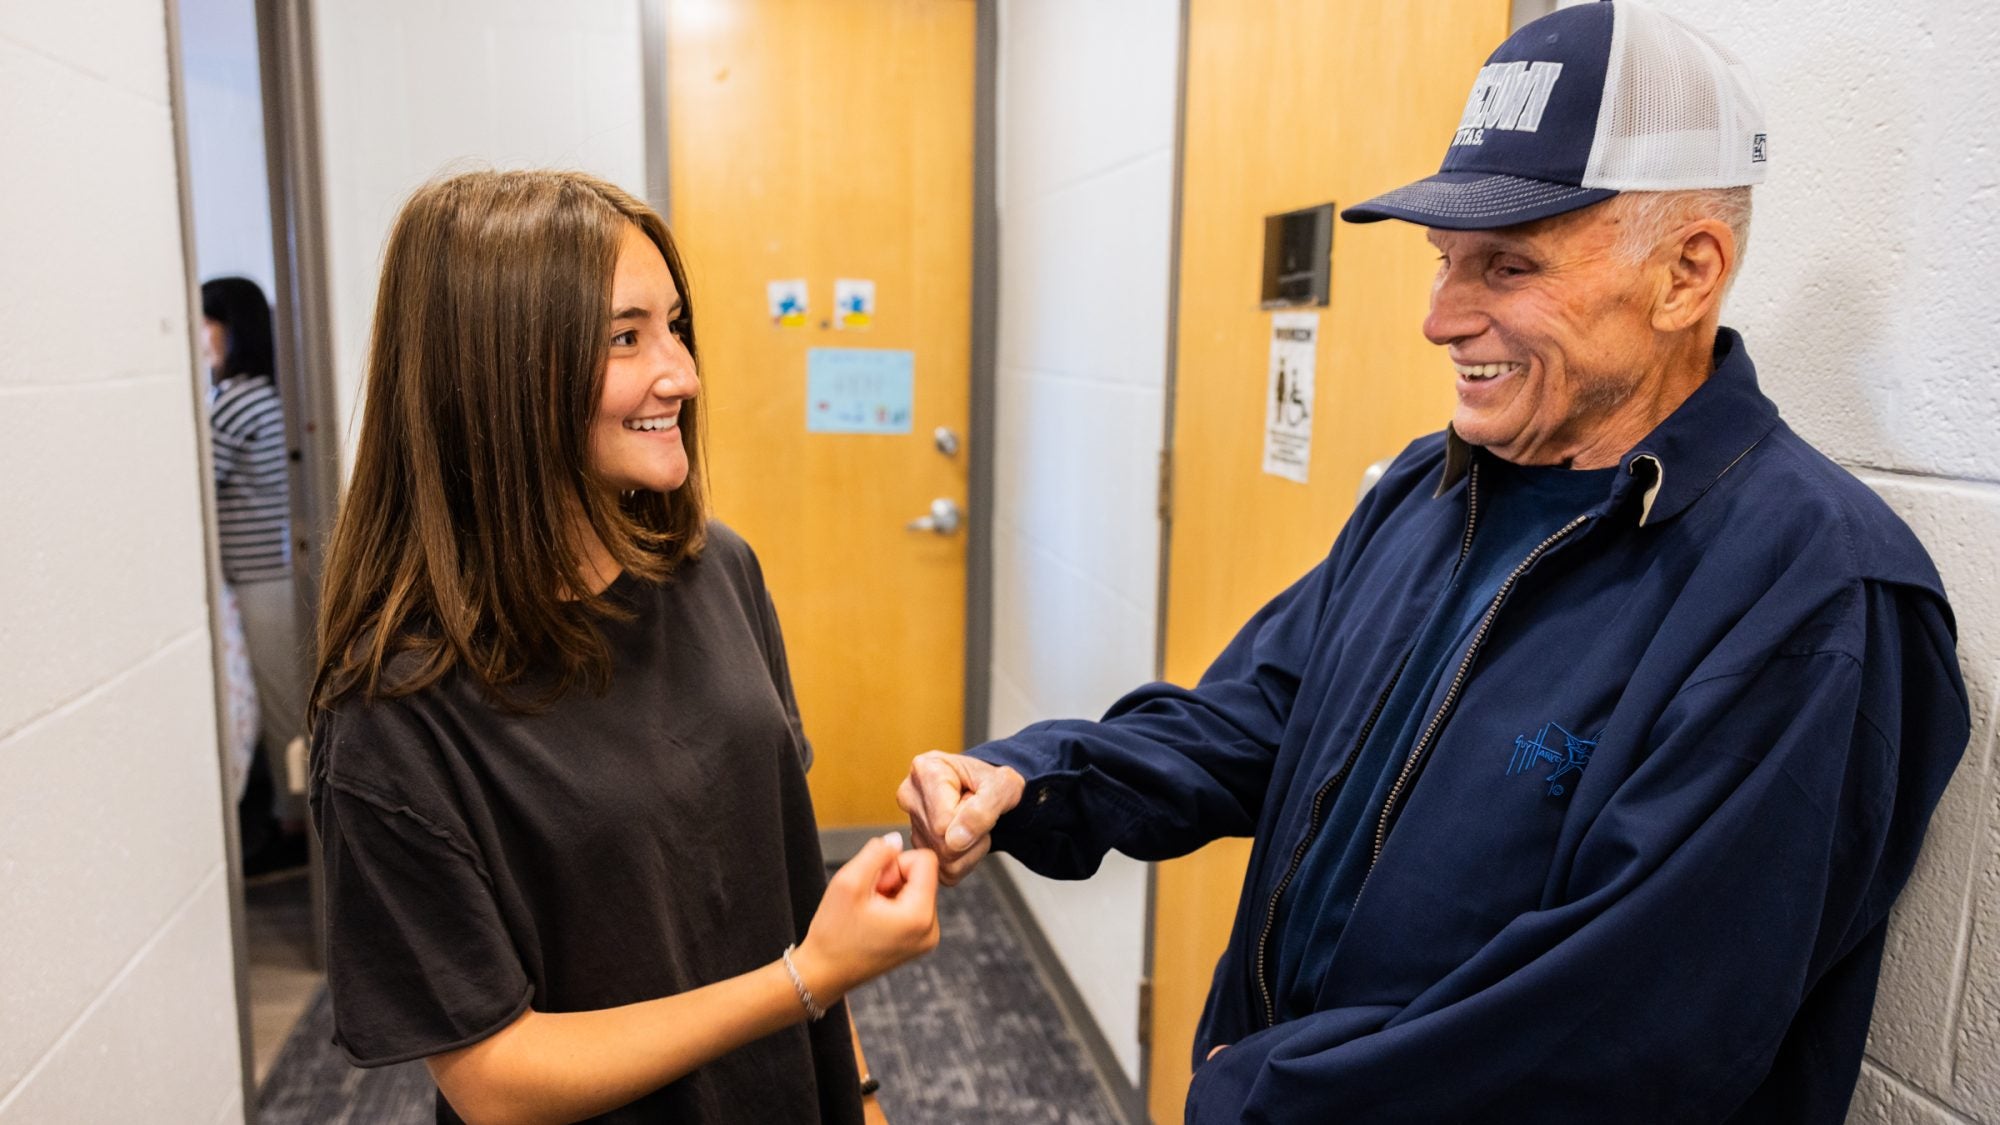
(943,519)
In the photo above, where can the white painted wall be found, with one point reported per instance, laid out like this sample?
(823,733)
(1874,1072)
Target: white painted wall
(1086,138)
(408,92)
(227,176)
(1867,300)
(117,994)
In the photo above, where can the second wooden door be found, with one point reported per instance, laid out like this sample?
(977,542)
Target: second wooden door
(819,140)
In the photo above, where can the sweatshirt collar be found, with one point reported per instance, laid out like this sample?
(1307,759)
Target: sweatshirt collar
(1686,453)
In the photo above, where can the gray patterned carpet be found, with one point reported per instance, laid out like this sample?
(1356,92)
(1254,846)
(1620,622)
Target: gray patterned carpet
(967,1036)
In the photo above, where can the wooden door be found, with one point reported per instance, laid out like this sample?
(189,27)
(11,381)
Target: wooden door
(1290,104)
(826,139)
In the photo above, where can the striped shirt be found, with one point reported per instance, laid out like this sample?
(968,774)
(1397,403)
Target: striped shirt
(252,502)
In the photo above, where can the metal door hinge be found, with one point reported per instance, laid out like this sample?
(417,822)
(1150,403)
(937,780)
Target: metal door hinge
(1146,1011)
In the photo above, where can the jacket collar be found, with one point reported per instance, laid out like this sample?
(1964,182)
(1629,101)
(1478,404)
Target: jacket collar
(1687,453)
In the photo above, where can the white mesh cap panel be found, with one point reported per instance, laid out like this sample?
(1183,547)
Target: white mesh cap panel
(1679,110)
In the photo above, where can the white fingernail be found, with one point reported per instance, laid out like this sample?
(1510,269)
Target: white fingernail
(894,840)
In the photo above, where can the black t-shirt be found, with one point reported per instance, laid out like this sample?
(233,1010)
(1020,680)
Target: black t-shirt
(611,849)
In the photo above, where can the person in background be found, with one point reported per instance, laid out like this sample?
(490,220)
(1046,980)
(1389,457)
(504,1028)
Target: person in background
(1585,769)
(239,720)
(253,520)
(558,769)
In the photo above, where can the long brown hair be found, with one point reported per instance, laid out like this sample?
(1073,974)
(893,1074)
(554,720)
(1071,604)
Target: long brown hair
(453,545)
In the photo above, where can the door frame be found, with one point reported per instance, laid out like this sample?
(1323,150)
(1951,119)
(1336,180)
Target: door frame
(1169,385)
(979,499)
(232,844)
(286,62)
(303,332)
(303,349)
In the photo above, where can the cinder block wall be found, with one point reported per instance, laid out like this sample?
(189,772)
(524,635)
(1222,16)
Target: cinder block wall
(117,995)
(1086,140)
(1869,303)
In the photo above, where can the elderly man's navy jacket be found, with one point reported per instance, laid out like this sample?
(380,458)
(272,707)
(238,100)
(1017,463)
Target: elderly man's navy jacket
(1638,866)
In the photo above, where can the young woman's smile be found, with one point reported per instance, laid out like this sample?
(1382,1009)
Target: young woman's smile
(649,377)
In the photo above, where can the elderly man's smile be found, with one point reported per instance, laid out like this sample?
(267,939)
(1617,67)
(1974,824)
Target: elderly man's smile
(1485,372)
(1484,387)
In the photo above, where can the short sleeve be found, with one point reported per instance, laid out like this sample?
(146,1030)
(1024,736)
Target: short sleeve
(781,674)
(771,638)
(418,960)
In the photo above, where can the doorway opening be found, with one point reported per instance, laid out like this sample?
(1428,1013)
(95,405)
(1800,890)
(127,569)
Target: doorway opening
(242,89)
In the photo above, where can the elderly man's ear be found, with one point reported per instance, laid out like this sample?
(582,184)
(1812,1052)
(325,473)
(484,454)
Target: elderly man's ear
(1697,271)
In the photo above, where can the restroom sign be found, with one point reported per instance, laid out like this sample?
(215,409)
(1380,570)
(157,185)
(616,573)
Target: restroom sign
(1288,395)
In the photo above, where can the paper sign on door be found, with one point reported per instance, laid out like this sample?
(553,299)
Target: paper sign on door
(1288,398)
(859,390)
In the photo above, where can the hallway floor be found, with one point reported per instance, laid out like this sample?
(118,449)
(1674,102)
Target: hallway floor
(278,917)
(970,1035)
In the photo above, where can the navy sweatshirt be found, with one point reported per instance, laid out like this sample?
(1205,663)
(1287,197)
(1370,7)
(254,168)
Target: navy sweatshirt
(1638,863)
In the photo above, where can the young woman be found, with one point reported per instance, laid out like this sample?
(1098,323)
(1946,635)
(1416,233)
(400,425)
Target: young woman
(558,769)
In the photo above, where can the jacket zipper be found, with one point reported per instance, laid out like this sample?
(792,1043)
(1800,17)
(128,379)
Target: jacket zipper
(1299,853)
(1264,984)
(1416,758)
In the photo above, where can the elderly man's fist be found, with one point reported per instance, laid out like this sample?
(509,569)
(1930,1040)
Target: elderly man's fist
(953,802)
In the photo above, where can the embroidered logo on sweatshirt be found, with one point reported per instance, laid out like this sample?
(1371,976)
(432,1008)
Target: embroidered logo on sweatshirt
(1555,747)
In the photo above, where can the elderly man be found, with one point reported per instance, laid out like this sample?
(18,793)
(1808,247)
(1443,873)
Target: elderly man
(1584,771)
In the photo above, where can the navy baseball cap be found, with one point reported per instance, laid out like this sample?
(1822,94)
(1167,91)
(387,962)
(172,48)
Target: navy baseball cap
(1580,105)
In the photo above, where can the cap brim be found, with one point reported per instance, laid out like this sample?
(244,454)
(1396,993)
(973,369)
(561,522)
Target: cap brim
(1475,201)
